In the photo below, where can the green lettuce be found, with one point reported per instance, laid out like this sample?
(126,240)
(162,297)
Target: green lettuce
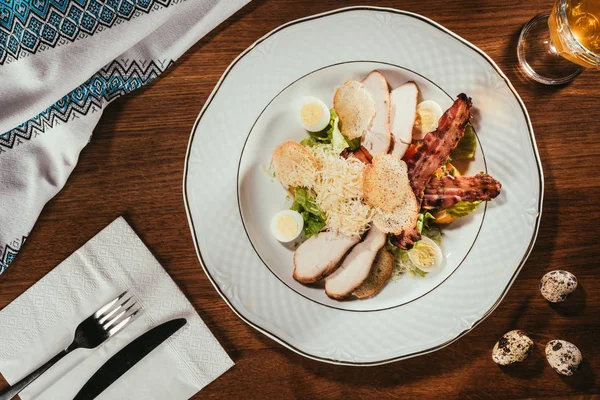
(354,144)
(402,261)
(314,217)
(434,233)
(462,208)
(423,220)
(467,145)
(331,135)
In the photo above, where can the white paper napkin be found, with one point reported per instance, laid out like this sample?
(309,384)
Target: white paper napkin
(41,322)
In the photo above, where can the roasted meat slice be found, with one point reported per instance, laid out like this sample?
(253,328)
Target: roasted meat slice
(320,255)
(448,190)
(378,139)
(356,266)
(435,149)
(403,111)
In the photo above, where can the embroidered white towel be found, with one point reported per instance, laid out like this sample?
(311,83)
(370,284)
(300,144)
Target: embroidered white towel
(61,63)
(41,322)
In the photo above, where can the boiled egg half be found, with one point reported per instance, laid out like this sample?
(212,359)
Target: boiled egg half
(287,225)
(314,114)
(426,254)
(428,114)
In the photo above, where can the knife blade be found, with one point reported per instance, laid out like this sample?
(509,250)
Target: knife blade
(127,357)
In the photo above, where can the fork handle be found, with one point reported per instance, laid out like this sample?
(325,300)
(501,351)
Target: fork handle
(15,389)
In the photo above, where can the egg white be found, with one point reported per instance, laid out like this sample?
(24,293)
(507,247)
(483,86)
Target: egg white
(299,222)
(323,122)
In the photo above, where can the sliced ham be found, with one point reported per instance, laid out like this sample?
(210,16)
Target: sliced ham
(356,266)
(403,111)
(320,255)
(377,139)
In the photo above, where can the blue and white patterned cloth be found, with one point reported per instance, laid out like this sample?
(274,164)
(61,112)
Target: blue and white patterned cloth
(61,63)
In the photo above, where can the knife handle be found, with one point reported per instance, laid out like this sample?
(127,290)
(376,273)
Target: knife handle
(15,389)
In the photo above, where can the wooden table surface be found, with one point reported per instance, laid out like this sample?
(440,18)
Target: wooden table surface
(134,165)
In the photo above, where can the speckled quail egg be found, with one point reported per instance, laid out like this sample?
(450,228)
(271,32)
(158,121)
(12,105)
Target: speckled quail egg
(513,346)
(564,357)
(557,285)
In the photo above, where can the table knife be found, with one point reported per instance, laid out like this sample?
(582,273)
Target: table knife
(127,357)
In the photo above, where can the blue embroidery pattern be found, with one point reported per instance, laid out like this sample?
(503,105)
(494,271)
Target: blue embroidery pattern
(116,79)
(9,253)
(28,26)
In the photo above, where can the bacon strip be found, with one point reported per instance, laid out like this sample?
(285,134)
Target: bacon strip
(448,190)
(431,153)
(435,149)
(406,239)
(361,153)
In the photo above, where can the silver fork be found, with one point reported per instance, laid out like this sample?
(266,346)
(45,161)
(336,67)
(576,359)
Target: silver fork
(91,333)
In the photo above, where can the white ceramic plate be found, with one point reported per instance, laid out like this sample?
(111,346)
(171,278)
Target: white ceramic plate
(230,200)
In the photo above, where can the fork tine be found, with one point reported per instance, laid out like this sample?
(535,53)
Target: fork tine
(111,311)
(126,320)
(104,308)
(115,317)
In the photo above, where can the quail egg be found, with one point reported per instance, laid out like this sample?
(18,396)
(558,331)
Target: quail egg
(564,357)
(557,285)
(513,346)
(426,255)
(286,225)
(428,114)
(314,114)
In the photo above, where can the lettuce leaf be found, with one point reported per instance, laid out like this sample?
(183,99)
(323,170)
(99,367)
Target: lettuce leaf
(434,233)
(401,260)
(467,145)
(338,141)
(324,136)
(314,217)
(423,220)
(354,144)
(309,142)
(462,208)
(331,135)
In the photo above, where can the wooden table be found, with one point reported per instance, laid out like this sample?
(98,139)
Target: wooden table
(134,166)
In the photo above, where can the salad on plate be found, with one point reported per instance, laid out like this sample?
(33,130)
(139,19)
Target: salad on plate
(373,183)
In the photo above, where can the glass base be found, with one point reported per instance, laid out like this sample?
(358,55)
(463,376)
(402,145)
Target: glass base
(538,57)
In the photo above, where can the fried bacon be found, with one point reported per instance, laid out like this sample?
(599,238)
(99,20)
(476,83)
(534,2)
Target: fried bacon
(361,153)
(406,239)
(426,157)
(448,190)
(435,149)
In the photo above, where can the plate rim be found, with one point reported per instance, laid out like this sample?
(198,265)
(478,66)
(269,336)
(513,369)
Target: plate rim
(443,30)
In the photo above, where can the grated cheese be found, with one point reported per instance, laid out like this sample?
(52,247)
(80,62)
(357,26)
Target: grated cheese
(339,192)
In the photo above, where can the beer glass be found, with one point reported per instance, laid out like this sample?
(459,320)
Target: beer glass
(554,48)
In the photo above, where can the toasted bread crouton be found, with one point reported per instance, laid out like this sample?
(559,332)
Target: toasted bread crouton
(355,107)
(396,222)
(386,184)
(379,275)
(387,189)
(294,165)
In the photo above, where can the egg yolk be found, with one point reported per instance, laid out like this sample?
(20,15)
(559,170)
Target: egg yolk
(287,226)
(425,255)
(311,113)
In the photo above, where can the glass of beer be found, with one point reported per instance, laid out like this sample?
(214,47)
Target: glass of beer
(554,48)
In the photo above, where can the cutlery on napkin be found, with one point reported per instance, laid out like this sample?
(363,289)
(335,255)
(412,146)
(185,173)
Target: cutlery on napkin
(96,329)
(40,322)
